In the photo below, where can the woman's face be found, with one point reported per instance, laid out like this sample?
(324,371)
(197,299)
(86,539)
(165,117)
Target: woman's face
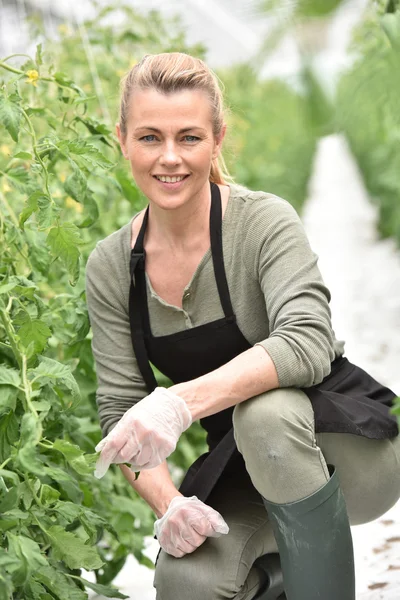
(170,145)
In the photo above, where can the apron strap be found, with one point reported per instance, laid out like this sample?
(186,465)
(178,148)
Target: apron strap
(217,252)
(139,318)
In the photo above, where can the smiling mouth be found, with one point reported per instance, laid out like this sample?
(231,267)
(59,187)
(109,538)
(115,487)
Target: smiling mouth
(170,178)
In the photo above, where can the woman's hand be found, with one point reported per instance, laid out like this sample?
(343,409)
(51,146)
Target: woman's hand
(187,524)
(146,434)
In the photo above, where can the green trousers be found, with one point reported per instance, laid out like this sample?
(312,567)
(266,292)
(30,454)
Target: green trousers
(286,462)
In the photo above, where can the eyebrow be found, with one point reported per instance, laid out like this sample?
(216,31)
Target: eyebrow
(184,130)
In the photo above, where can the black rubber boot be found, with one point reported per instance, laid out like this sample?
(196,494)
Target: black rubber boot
(272,588)
(315,545)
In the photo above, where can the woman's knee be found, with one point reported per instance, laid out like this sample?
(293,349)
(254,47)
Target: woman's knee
(174,578)
(263,420)
(186,578)
(368,472)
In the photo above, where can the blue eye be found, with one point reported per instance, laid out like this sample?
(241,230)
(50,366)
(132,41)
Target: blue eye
(191,138)
(148,138)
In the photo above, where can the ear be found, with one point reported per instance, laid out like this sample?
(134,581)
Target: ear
(121,140)
(218,141)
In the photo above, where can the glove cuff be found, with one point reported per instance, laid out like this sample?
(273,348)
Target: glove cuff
(182,409)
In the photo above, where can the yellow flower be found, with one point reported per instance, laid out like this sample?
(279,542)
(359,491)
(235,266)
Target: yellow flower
(33,76)
(71,203)
(64,29)
(4,149)
(5,187)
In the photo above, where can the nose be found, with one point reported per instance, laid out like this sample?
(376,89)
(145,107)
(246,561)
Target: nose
(170,154)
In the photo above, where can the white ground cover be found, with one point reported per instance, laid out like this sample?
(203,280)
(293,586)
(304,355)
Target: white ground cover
(363,274)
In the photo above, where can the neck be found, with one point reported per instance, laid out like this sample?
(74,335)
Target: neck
(181,227)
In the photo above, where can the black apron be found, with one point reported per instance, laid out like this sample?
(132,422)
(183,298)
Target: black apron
(347,401)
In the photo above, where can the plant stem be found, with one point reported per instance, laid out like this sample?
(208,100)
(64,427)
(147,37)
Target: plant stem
(27,386)
(12,69)
(45,445)
(4,316)
(12,56)
(5,462)
(37,155)
(21,358)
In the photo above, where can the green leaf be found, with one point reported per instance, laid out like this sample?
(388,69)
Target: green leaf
(23,155)
(64,80)
(10,115)
(29,555)
(9,377)
(20,178)
(95,127)
(36,331)
(7,563)
(10,500)
(31,430)
(46,113)
(8,435)
(16,513)
(48,495)
(391,26)
(22,286)
(66,483)
(39,55)
(8,398)
(7,559)
(37,591)
(26,494)
(31,433)
(50,370)
(72,549)
(74,456)
(9,475)
(76,185)
(7,287)
(63,241)
(38,201)
(42,406)
(86,155)
(129,189)
(91,211)
(68,510)
(59,584)
(7,523)
(106,591)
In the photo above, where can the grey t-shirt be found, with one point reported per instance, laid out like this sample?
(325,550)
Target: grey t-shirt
(277,293)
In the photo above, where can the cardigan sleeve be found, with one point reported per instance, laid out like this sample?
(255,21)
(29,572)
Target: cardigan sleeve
(120,383)
(301,339)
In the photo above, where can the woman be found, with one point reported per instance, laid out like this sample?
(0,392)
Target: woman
(217,286)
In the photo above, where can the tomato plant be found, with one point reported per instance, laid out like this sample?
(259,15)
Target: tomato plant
(62,187)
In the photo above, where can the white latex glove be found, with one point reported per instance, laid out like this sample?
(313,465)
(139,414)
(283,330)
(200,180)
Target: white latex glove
(146,434)
(187,524)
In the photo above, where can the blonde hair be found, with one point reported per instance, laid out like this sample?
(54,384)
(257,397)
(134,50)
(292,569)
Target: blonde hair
(172,72)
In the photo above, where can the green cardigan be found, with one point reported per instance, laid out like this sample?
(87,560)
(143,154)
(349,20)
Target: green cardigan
(277,293)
